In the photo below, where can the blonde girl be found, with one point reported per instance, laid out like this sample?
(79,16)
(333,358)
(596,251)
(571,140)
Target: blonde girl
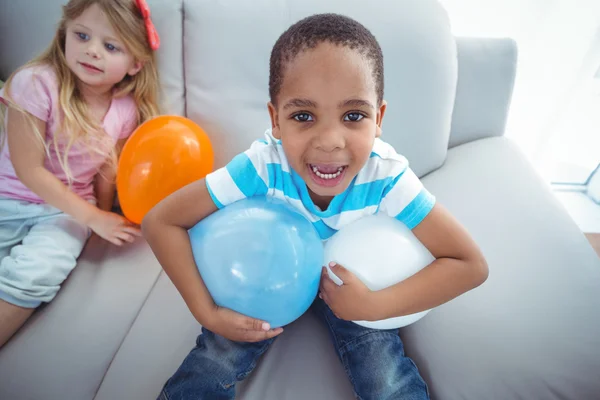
(65,116)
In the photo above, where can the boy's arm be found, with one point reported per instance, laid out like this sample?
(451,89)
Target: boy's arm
(458,268)
(165,228)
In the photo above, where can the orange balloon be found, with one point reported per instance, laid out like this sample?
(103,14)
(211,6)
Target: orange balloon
(163,155)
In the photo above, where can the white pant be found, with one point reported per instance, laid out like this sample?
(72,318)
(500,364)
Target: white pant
(39,246)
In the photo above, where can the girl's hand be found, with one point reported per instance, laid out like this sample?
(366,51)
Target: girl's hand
(113,227)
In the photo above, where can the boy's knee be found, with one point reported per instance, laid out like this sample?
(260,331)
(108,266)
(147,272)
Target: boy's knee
(212,368)
(379,369)
(374,349)
(235,359)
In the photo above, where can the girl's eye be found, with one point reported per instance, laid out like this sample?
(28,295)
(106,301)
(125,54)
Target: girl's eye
(303,117)
(353,117)
(82,36)
(110,47)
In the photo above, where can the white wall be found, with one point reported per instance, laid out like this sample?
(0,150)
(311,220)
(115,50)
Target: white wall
(556,56)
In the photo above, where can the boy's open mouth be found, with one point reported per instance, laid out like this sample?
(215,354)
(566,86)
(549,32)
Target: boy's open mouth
(327,175)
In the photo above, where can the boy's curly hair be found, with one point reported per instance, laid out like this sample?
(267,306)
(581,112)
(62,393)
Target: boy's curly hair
(311,31)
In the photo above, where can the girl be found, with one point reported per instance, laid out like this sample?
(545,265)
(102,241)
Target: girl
(66,116)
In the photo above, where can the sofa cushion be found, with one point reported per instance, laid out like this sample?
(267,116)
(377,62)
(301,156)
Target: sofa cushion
(227,69)
(301,364)
(532,330)
(163,334)
(486,75)
(64,350)
(19,43)
(168,19)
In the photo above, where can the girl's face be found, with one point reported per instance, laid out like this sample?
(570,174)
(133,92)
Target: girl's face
(94,52)
(327,118)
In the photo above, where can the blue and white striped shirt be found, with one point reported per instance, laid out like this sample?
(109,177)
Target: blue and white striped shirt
(385,184)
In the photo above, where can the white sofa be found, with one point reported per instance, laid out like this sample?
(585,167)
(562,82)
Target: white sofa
(118,328)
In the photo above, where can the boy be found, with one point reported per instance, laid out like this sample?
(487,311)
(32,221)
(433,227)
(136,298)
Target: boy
(323,155)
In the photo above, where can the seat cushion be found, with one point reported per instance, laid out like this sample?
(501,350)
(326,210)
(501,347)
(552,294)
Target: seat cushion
(162,335)
(64,350)
(300,364)
(528,332)
(532,330)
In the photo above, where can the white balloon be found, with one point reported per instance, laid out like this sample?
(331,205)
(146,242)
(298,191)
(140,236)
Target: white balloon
(381,251)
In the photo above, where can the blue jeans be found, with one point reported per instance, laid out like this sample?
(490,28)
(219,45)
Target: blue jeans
(374,361)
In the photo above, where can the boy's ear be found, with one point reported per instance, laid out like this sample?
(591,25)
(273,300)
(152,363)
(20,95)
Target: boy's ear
(380,114)
(274,120)
(137,66)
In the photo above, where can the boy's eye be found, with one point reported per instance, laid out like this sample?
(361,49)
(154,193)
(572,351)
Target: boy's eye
(110,47)
(82,35)
(353,117)
(303,117)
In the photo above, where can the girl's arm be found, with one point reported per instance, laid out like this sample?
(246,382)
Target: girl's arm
(28,155)
(104,184)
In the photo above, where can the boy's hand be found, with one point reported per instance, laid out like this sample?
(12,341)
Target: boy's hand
(113,227)
(352,301)
(238,327)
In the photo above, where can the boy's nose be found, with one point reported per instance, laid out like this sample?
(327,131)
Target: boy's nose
(330,139)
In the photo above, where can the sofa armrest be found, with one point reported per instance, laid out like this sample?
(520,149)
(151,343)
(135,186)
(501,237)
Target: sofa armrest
(486,75)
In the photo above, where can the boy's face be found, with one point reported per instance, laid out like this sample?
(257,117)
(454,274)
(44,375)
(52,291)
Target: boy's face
(327,117)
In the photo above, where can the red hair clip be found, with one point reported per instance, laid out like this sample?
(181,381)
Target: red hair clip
(153,37)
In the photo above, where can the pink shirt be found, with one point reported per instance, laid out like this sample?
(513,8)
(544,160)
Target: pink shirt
(36,90)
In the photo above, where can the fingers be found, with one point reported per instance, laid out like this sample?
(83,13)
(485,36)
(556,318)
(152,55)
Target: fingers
(324,295)
(116,241)
(132,230)
(127,233)
(342,273)
(253,324)
(255,330)
(327,283)
(125,237)
(255,336)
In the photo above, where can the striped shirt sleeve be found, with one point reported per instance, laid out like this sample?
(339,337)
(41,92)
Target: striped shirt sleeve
(245,176)
(405,198)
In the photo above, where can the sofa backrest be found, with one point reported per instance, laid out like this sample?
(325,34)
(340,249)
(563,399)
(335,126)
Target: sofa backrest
(227,45)
(214,63)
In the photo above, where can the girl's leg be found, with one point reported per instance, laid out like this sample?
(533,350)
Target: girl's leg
(35,268)
(11,319)
(212,369)
(374,359)
(13,228)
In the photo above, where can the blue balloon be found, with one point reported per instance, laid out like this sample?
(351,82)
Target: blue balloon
(260,257)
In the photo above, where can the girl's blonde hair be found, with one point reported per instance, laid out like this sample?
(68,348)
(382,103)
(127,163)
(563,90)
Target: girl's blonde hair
(76,124)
